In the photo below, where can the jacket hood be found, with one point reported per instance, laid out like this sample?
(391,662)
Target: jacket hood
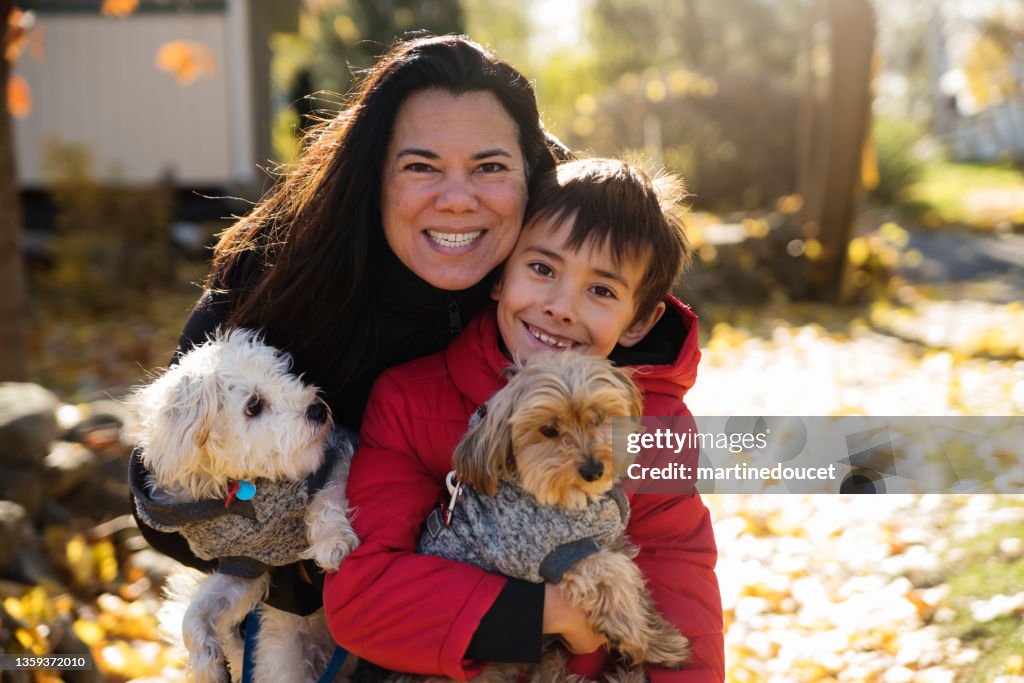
(664,362)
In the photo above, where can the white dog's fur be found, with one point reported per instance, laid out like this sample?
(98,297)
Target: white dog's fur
(231,410)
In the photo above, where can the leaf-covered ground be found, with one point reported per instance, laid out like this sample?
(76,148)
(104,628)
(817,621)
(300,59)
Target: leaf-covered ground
(850,588)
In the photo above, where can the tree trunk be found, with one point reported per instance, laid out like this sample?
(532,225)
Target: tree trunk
(831,173)
(13,310)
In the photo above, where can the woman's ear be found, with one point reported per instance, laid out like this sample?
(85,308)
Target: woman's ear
(640,329)
(496,288)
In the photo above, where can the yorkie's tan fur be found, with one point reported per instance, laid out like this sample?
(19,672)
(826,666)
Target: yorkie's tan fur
(549,432)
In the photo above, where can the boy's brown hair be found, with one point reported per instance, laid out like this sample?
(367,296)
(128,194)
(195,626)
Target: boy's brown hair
(617,205)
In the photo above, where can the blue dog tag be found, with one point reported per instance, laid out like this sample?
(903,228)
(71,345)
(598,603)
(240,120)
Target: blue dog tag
(246,490)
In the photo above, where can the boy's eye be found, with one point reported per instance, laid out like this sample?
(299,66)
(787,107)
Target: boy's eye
(542,269)
(603,292)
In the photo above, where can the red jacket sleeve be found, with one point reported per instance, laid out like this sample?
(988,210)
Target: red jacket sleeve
(677,557)
(401,610)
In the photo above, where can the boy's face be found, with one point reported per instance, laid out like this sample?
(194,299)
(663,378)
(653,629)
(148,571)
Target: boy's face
(551,297)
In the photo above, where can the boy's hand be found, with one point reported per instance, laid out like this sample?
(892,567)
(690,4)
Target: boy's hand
(562,618)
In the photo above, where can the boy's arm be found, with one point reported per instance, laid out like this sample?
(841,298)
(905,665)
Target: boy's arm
(678,556)
(401,610)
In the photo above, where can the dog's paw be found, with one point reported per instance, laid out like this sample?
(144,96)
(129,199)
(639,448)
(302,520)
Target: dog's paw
(208,665)
(330,534)
(329,550)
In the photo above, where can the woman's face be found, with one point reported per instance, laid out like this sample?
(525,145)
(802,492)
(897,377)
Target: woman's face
(454,186)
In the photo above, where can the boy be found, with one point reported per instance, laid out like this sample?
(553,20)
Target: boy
(591,272)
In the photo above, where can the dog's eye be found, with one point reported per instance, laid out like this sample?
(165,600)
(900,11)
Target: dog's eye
(254,406)
(549,431)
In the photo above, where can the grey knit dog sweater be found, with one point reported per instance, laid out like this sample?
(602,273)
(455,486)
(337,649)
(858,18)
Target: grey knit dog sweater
(512,534)
(247,537)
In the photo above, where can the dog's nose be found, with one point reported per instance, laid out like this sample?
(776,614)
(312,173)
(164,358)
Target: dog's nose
(592,471)
(317,412)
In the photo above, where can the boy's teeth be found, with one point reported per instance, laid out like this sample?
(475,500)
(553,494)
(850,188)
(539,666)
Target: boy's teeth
(451,239)
(550,341)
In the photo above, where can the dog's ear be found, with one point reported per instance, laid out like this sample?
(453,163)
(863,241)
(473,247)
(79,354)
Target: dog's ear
(484,456)
(630,389)
(177,413)
(633,424)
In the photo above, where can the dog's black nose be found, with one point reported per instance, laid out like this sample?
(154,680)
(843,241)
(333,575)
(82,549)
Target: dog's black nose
(317,412)
(592,471)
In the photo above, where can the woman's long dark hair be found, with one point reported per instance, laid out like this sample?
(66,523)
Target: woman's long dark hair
(297,266)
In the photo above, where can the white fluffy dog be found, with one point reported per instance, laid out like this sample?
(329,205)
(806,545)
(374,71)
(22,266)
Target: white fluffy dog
(243,462)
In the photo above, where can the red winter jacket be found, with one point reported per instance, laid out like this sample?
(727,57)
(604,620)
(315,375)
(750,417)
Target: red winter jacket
(416,613)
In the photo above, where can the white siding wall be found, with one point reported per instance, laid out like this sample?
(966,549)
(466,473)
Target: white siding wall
(993,134)
(98,84)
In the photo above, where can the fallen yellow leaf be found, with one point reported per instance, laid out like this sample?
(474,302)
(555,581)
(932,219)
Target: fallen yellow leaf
(90,632)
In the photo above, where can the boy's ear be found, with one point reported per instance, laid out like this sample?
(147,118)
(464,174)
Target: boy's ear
(640,329)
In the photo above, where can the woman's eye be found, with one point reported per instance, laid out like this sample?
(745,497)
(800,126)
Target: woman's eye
(254,407)
(491,167)
(542,269)
(419,167)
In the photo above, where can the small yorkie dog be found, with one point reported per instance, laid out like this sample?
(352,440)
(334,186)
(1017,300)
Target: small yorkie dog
(241,457)
(533,496)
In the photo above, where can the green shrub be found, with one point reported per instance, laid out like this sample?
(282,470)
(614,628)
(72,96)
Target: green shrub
(899,165)
(113,240)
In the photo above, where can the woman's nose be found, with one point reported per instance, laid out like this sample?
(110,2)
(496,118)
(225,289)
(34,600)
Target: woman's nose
(456,194)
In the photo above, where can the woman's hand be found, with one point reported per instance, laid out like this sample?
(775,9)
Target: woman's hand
(568,621)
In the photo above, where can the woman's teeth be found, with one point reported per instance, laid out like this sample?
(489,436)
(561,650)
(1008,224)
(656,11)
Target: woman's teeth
(452,239)
(549,340)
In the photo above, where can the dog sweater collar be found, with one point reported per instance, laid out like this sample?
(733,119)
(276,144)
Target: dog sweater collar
(247,537)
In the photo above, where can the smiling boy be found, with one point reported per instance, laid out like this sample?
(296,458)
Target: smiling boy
(592,272)
(600,251)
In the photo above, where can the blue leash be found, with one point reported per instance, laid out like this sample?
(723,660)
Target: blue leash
(252,627)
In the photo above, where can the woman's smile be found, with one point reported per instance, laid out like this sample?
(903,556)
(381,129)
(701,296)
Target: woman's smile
(453,242)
